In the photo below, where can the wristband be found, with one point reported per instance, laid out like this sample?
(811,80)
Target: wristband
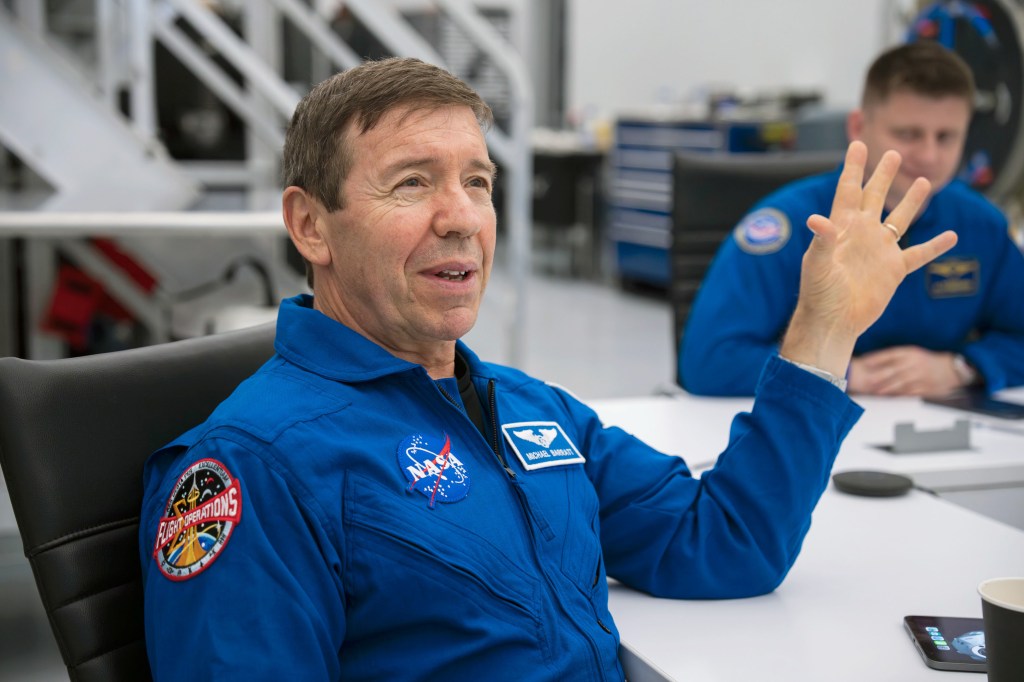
(967,375)
(820,373)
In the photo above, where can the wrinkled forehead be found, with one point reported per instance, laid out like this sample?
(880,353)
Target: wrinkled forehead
(401,130)
(408,114)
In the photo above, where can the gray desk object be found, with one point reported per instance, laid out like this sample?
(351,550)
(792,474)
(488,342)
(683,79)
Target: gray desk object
(907,439)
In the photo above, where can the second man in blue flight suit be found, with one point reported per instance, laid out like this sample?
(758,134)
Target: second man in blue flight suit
(957,322)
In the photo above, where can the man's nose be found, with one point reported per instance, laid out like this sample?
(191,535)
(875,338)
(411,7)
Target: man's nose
(928,150)
(457,213)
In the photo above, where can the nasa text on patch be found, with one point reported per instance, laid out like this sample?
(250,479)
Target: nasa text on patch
(765,230)
(539,445)
(432,467)
(952,277)
(201,513)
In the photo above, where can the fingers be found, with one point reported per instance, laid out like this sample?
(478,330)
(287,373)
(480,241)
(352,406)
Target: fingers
(822,227)
(877,188)
(882,358)
(916,256)
(909,205)
(848,191)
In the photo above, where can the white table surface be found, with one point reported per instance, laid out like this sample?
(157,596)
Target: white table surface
(697,429)
(865,564)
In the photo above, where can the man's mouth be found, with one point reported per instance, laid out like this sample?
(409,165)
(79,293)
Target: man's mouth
(453,275)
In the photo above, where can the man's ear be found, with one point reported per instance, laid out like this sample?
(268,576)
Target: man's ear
(855,125)
(304,218)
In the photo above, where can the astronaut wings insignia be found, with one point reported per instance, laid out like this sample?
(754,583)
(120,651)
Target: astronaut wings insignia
(543,440)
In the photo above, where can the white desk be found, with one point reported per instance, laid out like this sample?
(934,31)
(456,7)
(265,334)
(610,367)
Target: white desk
(698,429)
(866,562)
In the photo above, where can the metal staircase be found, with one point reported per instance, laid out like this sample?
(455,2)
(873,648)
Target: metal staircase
(92,157)
(61,115)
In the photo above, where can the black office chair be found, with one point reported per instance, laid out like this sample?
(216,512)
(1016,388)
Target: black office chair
(710,193)
(74,435)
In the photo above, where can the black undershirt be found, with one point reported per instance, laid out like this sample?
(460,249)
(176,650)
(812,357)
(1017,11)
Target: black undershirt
(467,391)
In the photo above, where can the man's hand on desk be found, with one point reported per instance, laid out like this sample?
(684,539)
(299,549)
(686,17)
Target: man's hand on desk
(854,263)
(904,370)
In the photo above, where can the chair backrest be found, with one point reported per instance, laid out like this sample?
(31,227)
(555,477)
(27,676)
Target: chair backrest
(710,193)
(74,435)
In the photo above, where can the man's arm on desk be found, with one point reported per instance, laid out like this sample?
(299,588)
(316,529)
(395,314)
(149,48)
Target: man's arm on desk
(998,353)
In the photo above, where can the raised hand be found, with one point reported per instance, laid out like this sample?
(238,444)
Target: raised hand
(854,263)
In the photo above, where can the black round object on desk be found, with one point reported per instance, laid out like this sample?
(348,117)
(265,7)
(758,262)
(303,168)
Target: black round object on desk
(872,483)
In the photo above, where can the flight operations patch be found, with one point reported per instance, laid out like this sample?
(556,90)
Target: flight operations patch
(763,231)
(539,445)
(201,513)
(432,468)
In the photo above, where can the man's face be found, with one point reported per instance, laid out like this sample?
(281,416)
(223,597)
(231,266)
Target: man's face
(928,132)
(411,251)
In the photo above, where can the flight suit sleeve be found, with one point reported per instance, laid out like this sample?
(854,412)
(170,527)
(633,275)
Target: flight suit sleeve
(743,306)
(998,353)
(736,531)
(240,574)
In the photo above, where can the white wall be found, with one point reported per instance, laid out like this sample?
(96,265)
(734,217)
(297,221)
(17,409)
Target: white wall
(629,55)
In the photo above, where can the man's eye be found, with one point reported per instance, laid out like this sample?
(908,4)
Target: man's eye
(480,182)
(410,182)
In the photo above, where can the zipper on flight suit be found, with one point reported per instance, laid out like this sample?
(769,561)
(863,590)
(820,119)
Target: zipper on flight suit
(492,405)
(537,520)
(494,425)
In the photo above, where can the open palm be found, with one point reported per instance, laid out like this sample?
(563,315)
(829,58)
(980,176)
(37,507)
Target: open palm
(854,264)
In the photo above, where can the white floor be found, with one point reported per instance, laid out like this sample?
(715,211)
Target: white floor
(594,339)
(588,336)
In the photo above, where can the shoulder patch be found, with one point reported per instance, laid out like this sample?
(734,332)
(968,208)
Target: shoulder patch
(766,230)
(539,445)
(201,513)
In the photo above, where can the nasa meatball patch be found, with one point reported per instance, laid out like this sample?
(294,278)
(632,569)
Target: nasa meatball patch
(203,510)
(431,467)
(766,230)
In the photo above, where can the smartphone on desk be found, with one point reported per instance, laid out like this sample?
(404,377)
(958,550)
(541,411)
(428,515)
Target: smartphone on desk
(947,643)
(980,402)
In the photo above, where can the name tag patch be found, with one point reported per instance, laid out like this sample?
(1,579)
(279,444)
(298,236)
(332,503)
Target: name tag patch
(539,445)
(953,277)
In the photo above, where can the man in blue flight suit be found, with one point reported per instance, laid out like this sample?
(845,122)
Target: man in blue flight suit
(957,322)
(377,503)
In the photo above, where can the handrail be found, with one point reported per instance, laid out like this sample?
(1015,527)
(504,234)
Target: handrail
(280,95)
(141,67)
(214,78)
(53,224)
(314,28)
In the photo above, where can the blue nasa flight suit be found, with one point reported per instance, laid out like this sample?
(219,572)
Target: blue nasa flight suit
(349,558)
(969,301)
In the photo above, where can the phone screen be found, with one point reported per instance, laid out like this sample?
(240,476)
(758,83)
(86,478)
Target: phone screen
(978,401)
(949,643)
